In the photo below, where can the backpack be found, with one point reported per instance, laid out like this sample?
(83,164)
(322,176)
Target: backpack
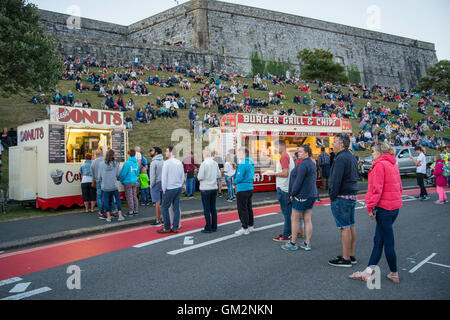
(446,170)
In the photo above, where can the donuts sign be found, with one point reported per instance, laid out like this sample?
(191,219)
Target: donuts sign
(31,134)
(86,116)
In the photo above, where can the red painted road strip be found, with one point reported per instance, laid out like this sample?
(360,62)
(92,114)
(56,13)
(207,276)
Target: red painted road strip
(22,262)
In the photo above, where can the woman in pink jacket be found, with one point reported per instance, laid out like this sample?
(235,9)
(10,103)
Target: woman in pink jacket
(441,181)
(383,201)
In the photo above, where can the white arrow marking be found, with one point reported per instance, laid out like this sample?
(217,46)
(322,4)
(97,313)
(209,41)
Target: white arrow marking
(231,236)
(188,241)
(8,281)
(27,294)
(20,287)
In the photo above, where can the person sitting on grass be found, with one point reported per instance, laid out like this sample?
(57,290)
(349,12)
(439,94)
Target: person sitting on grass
(129,122)
(140,115)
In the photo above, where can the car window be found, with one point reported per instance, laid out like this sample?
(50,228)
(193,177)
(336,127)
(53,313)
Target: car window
(404,153)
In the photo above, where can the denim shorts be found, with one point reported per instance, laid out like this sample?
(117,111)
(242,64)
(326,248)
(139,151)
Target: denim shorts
(156,192)
(303,206)
(343,212)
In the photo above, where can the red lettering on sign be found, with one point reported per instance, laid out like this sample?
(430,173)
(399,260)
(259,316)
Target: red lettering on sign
(117,119)
(87,116)
(31,134)
(90,116)
(95,116)
(76,116)
(108,118)
(71,177)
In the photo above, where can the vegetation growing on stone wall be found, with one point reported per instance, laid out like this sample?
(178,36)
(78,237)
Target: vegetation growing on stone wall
(354,76)
(319,65)
(258,64)
(274,67)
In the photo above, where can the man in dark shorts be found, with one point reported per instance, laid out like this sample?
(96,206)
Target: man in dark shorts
(343,194)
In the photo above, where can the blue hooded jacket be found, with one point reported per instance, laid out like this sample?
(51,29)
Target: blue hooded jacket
(130,171)
(244,175)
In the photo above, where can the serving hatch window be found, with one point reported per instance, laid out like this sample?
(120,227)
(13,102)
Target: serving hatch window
(81,141)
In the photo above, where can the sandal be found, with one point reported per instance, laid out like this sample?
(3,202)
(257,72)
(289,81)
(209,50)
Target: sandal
(394,279)
(358,275)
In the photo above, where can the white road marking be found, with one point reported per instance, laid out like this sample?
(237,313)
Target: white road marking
(188,241)
(9,281)
(422,263)
(27,294)
(144,244)
(231,236)
(20,287)
(438,264)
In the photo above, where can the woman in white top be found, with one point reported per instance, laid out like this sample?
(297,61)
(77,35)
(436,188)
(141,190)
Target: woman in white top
(229,170)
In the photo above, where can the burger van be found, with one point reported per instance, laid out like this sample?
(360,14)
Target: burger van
(259,133)
(44,167)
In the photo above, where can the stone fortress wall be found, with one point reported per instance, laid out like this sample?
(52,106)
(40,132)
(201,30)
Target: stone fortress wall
(221,36)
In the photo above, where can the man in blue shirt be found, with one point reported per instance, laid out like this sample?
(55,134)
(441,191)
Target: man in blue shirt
(244,187)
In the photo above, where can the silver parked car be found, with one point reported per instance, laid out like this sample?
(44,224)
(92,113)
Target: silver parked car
(405,164)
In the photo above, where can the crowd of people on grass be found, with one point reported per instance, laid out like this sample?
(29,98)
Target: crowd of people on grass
(221,93)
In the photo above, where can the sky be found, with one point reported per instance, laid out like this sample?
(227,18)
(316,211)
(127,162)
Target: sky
(415,19)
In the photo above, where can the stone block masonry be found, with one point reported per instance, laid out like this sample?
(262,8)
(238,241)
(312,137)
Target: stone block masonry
(221,36)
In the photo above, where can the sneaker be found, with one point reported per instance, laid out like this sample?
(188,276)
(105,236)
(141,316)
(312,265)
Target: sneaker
(130,214)
(164,230)
(102,216)
(417,197)
(135,213)
(121,219)
(289,246)
(306,246)
(250,229)
(108,219)
(352,259)
(155,224)
(242,231)
(446,201)
(206,231)
(340,262)
(439,202)
(280,238)
(220,195)
(318,200)
(229,200)
(425,198)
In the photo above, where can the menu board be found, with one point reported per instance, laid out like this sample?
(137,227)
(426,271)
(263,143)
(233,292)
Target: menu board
(118,145)
(56,144)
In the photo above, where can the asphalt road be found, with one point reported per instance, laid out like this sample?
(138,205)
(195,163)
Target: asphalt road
(255,267)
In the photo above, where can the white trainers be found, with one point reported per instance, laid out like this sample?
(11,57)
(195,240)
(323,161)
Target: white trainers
(242,231)
(250,229)
(121,218)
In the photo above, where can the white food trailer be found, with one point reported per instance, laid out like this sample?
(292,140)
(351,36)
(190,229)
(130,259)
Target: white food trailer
(45,165)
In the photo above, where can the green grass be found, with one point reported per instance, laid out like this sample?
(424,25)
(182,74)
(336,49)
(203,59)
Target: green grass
(16,110)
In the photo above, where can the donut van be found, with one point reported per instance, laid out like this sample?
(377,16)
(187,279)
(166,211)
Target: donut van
(259,133)
(45,165)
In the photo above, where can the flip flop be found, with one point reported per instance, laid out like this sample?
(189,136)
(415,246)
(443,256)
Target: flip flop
(358,275)
(393,278)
